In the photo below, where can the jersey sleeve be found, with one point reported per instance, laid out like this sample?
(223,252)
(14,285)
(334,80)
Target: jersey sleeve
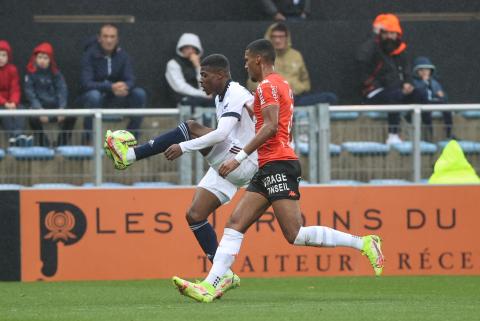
(234,107)
(267,94)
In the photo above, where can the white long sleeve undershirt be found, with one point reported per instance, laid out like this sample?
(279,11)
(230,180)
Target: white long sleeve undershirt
(224,128)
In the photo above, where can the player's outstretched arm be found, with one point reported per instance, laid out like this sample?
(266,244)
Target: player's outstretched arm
(224,128)
(268,129)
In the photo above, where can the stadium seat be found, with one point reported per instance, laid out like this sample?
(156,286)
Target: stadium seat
(406,148)
(35,152)
(388,182)
(152,184)
(303,147)
(104,184)
(471,114)
(344,115)
(53,185)
(10,186)
(2,153)
(468,147)
(344,182)
(377,115)
(437,114)
(75,152)
(365,148)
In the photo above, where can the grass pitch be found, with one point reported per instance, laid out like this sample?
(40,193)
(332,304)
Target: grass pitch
(321,298)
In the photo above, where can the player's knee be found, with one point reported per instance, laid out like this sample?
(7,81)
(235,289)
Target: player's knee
(193,216)
(193,126)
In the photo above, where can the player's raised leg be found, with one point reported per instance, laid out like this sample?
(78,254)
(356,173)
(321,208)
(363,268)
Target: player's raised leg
(250,208)
(288,215)
(124,155)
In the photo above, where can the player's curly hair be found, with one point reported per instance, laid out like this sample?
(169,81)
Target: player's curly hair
(264,48)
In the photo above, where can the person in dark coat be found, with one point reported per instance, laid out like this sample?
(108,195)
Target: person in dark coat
(385,73)
(45,88)
(108,80)
(424,80)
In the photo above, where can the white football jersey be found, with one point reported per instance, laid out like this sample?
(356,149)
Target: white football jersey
(232,104)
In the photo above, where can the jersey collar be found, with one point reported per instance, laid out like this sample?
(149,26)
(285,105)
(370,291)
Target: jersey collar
(222,95)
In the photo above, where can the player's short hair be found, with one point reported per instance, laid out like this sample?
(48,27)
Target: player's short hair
(280,26)
(216,61)
(264,48)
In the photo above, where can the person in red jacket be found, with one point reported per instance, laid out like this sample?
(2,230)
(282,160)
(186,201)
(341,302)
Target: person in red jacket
(10,95)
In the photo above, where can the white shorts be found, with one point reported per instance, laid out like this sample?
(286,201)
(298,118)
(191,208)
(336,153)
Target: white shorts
(225,188)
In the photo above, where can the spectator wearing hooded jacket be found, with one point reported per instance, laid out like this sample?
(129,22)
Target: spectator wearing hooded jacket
(10,96)
(281,10)
(385,72)
(290,64)
(45,88)
(183,73)
(425,81)
(108,80)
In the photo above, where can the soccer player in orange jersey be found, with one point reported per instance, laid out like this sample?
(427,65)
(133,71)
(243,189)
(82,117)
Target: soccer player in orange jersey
(275,184)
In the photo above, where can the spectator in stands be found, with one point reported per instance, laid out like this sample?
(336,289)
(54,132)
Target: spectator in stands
(183,73)
(281,10)
(10,97)
(424,80)
(108,80)
(45,88)
(290,64)
(385,72)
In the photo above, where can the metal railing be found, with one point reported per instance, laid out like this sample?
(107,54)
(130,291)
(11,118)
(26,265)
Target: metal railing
(318,131)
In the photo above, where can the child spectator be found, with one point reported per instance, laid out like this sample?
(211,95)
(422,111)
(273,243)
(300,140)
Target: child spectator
(45,88)
(10,96)
(425,81)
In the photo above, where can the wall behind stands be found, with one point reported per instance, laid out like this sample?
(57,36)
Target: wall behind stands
(85,234)
(328,48)
(216,10)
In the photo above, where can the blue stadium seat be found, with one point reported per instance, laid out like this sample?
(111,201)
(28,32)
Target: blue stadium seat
(437,114)
(152,184)
(388,182)
(406,148)
(344,182)
(377,115)
(10,186)
(104,184)
(2,153)
(53,185)
(35,152)
(365,148)
(75,152)
(471,114)
(468,147)
(344,115)
(304,149)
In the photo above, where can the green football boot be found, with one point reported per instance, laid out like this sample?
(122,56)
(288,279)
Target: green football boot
(227,283)
(200,291)
(372,248)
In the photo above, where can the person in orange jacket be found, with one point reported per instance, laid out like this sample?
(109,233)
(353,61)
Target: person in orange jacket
(385,73)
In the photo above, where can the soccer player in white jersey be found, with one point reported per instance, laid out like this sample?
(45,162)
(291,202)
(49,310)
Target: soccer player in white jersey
(235,128)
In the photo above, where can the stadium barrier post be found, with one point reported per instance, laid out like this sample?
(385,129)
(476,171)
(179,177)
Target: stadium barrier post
(313,145)
(97,145)
(324,143)
(185,160)
(416,153)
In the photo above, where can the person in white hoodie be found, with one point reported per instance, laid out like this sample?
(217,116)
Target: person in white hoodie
(183,73)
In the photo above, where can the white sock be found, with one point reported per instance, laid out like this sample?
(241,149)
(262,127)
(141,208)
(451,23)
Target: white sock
(131,157)
(225,256)
(326,237)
